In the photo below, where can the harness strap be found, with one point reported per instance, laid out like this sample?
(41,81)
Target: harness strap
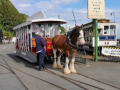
(81,37)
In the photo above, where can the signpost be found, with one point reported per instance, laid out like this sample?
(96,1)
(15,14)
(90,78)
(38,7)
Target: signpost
(96,10)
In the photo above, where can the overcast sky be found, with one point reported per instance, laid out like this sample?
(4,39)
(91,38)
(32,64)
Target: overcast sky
(63,8)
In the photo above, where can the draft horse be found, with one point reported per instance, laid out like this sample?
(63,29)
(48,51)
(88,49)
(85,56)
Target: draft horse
(67,44)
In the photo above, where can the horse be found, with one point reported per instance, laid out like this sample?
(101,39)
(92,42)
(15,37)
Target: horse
(67,44)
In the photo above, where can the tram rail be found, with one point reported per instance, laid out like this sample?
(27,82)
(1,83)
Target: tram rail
(7,67)
(65,78)
(71,80)
(98,81)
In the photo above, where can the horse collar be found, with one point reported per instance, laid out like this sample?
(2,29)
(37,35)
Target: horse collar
(69,42)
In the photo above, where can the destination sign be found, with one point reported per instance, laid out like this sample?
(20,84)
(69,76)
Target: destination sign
(96,9)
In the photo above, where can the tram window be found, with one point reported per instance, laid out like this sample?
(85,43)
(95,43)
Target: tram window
(38,28)
(57,30)
(42,30)
(106,29)
(99,31)
(51,29)
(33,34)
(29,26)
(112,29)
(50,25)
(39,25)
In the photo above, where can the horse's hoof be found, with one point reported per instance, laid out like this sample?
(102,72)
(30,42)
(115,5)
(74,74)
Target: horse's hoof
(55,67)
(67,72)
(60,66)
(73,71)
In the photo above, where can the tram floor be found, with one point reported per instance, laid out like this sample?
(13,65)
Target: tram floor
(104,71)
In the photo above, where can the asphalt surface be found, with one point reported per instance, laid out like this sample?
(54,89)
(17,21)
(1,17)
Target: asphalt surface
(103,71)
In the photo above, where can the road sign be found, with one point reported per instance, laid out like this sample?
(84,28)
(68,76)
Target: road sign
(96,9)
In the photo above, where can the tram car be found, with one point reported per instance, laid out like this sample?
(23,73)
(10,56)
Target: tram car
(25,35)
(107,34)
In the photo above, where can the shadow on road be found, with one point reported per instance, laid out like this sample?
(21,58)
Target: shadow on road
(18,59)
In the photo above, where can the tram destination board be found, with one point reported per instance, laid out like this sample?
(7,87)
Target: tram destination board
(96,9)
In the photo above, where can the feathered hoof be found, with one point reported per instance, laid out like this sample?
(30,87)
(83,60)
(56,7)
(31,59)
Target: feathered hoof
(67,71)
(73,71)
(55,66)
(60,66)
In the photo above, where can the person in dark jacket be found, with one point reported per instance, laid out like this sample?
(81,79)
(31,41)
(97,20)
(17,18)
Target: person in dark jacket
(40,50)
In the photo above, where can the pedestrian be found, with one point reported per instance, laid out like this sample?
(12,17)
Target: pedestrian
(40,50)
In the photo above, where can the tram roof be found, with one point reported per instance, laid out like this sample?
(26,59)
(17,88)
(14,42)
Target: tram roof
(99,21)
(42,21)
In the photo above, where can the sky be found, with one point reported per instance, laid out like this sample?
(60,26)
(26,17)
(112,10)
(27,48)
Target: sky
(63,9)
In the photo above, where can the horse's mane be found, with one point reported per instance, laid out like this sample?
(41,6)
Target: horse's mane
(74,31)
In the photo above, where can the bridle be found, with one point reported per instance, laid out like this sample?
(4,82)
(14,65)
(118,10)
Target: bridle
(69,40)
(80,37)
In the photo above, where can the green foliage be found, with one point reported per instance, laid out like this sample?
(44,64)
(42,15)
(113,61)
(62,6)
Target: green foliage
(9,17)
(63,31)
(7,35)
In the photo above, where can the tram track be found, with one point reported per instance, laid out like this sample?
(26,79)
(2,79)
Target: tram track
(13,72)
(104,83)
(64,78)
(69,80)
(98,81)
(73,81)
(4,65)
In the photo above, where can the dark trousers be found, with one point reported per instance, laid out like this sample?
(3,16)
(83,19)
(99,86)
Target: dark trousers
(40,60)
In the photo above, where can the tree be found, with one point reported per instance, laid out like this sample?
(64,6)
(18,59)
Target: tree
(9,16)
(63,31)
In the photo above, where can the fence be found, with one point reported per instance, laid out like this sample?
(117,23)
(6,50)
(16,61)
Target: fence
(110,54)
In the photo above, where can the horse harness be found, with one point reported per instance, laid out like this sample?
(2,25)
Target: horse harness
(69,43)
(68,40)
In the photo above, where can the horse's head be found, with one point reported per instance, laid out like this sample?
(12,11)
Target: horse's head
(81,39)
(79,35)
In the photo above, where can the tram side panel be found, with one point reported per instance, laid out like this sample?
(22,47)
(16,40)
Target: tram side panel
(107,35)
(25,45)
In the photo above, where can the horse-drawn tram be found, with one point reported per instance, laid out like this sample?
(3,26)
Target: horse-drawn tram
(25,35)
(107,33)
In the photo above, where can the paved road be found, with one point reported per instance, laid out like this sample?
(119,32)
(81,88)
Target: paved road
(107,72)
